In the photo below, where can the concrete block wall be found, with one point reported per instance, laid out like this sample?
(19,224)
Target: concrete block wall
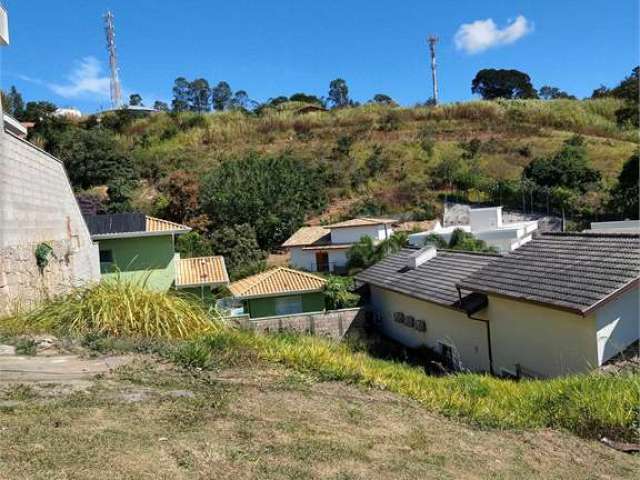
(37,205)
(334,324)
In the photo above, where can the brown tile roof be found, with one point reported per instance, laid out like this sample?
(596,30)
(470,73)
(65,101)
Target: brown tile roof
(308,236)
(278,281)
(333,246)
(192,272)
(362,222)
(158,225)
(576,272)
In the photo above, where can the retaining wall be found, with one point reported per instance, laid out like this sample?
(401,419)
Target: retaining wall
(335,324)
(37,205)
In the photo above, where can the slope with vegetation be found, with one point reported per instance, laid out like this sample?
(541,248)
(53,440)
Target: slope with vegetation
(261,170)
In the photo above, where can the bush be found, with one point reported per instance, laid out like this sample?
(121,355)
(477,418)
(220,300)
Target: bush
(338,294)
(118,308)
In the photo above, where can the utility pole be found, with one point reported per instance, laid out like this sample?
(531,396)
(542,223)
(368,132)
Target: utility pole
(116,89)
(432,41)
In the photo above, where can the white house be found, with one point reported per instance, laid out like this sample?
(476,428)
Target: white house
(622,226)
(563,303)
(324,248)
(485,224)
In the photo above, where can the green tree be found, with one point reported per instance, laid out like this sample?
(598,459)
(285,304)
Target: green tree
(554,93)
(461,240)
(626,192)
(181,95)
(37,111)
(339,93)
(160,106)
(199,96)
(93,157)
(491,83)
(569,168)
(241,101)
(274,194)
(629,91)
(382,99)
(305,98)
(12,103)
(239,247)
(565,198)
(221,96)
(135,100)
(338,293)
(365,252)
(193,244)
(181,190)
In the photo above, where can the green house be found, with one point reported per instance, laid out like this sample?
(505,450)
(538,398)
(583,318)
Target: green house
(139,248)
(280,291)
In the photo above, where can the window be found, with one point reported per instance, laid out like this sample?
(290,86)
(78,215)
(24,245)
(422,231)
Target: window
(106,256)
(288,305)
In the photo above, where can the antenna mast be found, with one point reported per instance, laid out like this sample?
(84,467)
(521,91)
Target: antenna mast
(116,90)
(432,41)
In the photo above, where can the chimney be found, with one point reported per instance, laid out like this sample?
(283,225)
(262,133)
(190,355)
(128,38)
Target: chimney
(418,258)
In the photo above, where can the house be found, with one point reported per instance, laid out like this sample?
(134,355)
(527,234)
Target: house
(562,303)
(324,248)
(622,226)
(45,247)
(485,224)
(136,247)
(414,296)
(280,291)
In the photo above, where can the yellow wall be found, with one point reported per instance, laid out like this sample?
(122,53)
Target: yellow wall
(468,337)
(545,340)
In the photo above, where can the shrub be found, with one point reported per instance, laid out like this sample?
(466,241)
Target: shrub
(26,346)
(117,307)
(338,294)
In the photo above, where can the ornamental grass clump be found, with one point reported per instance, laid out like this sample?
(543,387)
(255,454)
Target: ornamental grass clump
(119,308)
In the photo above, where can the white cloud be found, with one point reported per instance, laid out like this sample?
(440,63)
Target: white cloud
(86,80)
(481,35)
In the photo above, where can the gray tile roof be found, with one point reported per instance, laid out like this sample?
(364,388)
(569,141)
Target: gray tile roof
(570,271)
(434,281)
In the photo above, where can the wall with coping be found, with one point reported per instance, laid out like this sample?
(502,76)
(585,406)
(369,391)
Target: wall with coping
(37,205)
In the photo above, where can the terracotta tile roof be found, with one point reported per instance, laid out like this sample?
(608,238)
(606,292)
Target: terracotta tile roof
(199,271)
(158,225)
(333,246)
(576,272)
(308,236)
(278,281)
(362,222)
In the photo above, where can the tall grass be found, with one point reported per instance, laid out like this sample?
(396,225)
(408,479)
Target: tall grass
(118,308)
(589,405)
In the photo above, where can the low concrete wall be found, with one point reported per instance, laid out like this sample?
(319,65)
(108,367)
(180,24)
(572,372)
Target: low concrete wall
(333,323)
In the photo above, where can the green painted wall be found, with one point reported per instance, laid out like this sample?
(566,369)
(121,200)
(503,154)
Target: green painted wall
(266,307)
(204,294)
(144,259)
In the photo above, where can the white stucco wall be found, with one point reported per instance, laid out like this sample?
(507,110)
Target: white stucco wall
(303,259)
(618,324)
(543,340)
(37,205)
(452,327)
(353,234)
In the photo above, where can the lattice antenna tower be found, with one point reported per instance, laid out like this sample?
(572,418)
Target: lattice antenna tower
(432,40)
(116,89)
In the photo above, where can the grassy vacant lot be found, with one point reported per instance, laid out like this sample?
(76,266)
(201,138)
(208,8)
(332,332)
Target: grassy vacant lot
(150,420)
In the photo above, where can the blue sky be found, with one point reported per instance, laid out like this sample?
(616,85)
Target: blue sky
(274,47)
